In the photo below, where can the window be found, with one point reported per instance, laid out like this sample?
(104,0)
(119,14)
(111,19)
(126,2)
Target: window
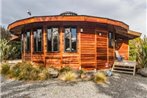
(38,40)
(110,39)
(52,39)
(22,38)
(27,40)
(70,40)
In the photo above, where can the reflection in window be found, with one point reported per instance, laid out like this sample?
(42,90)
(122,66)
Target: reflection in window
(38,40)
(27,41)
(52,39)
(22,38)
(70,39)
(110,39)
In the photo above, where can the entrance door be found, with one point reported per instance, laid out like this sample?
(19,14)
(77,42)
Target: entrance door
(101,48)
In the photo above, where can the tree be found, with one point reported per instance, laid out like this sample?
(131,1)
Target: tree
(141,55)
(133,44)
(138,51)
(6,49)
(4,34)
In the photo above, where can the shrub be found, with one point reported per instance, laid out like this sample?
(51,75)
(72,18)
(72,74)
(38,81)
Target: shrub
(65,69)
(43,75)
(100,77)
(142,53)
(138,51)
(25,72)
(81,72)
(15,70)
(133,48)
(68,76)
(28,71)
(5,68)
(5,48)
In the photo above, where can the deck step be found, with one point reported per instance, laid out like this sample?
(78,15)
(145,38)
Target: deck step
(124,67)
(122,71)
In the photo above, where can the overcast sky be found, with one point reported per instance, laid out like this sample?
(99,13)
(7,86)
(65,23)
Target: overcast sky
(132,12)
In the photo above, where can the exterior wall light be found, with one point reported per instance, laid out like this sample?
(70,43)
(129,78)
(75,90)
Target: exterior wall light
(100,34)
(81,30)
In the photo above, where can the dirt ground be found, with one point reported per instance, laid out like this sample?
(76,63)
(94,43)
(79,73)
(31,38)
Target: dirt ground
(119,86)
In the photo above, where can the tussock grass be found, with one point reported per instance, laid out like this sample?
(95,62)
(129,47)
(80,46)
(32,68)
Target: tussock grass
(68,76)
(25,71)
(100,77)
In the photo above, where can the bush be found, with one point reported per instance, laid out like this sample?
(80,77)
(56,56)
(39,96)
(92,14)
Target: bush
(6,50)
(100,77)
(16,54)
(138,51)
(15,70)
(142,53)
(65,69)
(68,76)
(26,71)
(43,75)
(5,69)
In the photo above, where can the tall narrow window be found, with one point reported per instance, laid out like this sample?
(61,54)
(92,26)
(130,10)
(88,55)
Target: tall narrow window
(38,40)
(52,39)
(22,39)
(27,40)
(110,39)
(70,40)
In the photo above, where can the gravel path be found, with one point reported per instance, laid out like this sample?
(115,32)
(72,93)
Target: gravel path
(119,86)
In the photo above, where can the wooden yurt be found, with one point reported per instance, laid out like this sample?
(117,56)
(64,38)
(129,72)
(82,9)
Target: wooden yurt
(69,39)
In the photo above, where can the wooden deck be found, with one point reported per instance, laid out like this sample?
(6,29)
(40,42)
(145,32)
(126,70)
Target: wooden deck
(124,66)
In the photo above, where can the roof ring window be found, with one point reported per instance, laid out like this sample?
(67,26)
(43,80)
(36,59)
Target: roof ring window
(68,13)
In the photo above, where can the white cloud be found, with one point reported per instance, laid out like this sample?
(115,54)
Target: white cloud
(132,12)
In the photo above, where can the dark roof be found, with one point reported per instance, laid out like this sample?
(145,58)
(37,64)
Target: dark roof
(68,13)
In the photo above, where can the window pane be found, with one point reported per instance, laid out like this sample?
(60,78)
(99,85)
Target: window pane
(110,39)
(49,46)
(67,37)
(39,37)
(22,39)
(74,39)
(55,39)
(35,41)
(28,41)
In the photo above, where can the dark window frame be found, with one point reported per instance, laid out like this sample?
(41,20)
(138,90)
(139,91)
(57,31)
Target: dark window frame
(52,42)
(36,42)
(70,40)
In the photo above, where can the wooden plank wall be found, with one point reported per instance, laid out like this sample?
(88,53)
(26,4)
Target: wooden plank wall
(71,59)
(92,51)
(61,58)
(124,49)
(53,60)
(38,57)
(27,56)
(88,50)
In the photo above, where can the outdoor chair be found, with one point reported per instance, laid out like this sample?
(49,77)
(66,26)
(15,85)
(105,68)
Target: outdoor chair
(118,56)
